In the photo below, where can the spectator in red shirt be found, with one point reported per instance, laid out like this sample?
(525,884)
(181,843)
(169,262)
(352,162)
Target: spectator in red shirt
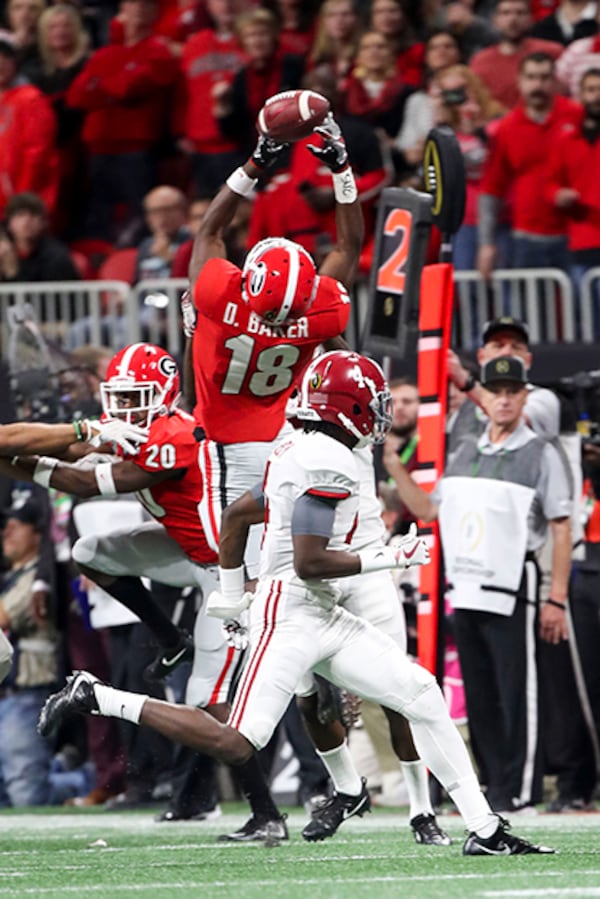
(573,186)
(124,90)
(28,160)
(390,19)
(499,66)
(209,62)
(375,91)
(268,71)
(516,166)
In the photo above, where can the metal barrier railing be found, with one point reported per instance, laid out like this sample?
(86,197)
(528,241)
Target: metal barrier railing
(113,313)
(589,303)
(71,313)
(542,297)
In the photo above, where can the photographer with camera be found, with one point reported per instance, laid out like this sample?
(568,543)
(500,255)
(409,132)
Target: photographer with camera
(466,105)
(585,579)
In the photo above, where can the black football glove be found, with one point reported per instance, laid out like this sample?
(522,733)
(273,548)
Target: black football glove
(267,152)
(333,153)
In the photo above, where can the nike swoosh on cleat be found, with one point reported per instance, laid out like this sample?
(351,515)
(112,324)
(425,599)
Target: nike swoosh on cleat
(169,662)
(348,813)
(505,851)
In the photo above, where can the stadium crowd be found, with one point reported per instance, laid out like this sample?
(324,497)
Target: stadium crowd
(120,123)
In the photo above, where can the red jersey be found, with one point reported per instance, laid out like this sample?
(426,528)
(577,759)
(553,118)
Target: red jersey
(28,159)
(572,163)
(245,370)
(207,60)
(174,503)
(124,91)
(516,166)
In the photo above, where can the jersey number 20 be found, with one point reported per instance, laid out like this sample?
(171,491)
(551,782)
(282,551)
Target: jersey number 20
(273,367)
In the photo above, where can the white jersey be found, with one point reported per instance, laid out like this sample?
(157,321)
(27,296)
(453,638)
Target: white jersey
(370,529)
(308,463)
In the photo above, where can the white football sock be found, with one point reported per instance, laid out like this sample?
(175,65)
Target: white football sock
(340,766)
(417,784)
(443,751)
(119,704)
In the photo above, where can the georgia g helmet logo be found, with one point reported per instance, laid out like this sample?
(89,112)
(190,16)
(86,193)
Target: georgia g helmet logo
(256,280)
(167,366)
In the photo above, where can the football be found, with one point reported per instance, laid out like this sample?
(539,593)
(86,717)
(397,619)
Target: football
(292,115)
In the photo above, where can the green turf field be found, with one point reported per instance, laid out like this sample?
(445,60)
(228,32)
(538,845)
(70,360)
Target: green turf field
(54,854)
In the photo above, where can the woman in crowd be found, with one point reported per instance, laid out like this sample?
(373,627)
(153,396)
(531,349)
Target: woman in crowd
(64,48)
(375,91)
(390,19)
(336,38)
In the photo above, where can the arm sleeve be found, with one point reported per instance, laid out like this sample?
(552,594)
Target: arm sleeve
(258,495)
(542,410)
(554,488)
(313,515)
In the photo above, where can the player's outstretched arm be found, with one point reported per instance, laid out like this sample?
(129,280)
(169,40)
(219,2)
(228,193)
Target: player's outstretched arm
(55,439)
(209,242)
(34,437)
(237,519)
(342,262)
(104,478)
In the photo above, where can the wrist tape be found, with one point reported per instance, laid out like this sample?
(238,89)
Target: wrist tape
(377,559)
(241,183)
(104,479)
(43,470)
(344,186)
(233,583)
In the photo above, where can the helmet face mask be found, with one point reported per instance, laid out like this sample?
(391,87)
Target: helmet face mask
(142,381)
(279,280)
(349,391)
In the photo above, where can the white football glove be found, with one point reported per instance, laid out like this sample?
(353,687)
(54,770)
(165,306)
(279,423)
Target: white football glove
(188,313)
(411,549)
(408,551)
(235,631)
(126,436)
(219,606)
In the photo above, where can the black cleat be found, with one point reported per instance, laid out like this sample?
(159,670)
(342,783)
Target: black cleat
(327,817)
(427,831)
(169,659)
(77,697)
(502,843)
(257,830)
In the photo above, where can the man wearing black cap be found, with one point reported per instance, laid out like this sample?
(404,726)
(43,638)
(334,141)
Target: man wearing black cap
(24,757)
(501,337)
(570,757)
(494,503)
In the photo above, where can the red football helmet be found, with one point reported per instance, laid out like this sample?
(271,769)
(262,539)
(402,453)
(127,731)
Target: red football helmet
(349,391)
(279,280)
(142,381)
